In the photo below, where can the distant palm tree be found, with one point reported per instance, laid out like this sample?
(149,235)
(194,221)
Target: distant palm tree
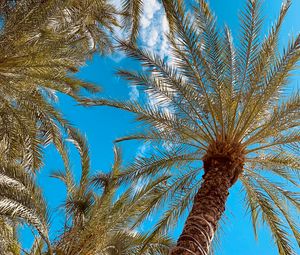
(102,224)
(229,108)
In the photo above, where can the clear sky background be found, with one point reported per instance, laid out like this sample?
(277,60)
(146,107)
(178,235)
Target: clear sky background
(102,125)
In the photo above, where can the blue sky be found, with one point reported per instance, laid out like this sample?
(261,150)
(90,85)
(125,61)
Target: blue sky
(103,125)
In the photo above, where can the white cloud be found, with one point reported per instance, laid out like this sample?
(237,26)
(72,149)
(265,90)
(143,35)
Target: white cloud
(152,40)
(143,149)
(118,56)
(165,29)
(154,26)
(145,22)
(134,93)
(153,30)
(150,7)
(165,24)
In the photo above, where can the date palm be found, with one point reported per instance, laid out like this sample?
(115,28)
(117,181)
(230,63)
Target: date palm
(96,222)
(36,62)
(99,223)
(41,47)
(42,44)
(223,109)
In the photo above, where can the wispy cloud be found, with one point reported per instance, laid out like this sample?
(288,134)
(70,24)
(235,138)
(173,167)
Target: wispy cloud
(153,35)
(118,56)
(133,93)
(154,27)
(143,149)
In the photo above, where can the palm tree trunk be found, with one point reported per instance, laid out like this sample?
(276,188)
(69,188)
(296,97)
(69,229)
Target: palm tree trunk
(208,207)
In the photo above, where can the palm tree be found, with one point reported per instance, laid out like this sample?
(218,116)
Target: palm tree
(37,59)
(229,108)
(98,223)
(42,43)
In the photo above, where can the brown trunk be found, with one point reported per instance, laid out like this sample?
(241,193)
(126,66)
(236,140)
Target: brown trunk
(221,172)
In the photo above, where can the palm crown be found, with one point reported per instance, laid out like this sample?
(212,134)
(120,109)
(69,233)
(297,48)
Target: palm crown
(229,107)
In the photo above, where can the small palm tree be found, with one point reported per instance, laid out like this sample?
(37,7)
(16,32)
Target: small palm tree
(227,107)
(101,223)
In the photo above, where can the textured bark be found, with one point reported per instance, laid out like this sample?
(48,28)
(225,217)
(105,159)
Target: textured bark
(222,165)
